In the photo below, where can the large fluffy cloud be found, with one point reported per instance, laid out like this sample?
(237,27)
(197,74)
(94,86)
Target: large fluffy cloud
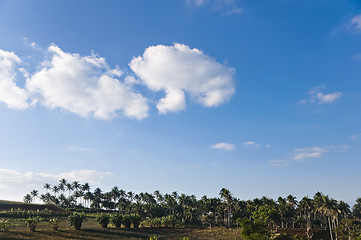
(12,95)
(179,71)
(84,85)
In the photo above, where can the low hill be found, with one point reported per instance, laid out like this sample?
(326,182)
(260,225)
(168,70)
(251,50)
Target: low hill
(8,205)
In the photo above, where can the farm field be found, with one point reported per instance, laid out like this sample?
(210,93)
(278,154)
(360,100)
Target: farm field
(92,230)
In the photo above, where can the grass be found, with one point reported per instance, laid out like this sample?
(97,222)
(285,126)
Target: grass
(92,230)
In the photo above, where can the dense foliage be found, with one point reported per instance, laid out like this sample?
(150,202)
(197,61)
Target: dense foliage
(320,212)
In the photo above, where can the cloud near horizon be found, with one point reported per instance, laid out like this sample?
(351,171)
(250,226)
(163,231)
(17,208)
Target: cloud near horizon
(16,184)
(87,86)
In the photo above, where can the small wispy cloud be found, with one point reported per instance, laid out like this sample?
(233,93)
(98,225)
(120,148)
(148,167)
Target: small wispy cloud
(277,163)
(354,24)
(355,136)
(223,146)
(254,144)
(225,7)
(251,144)
(357,57)
(308,152)
(81,149)
(195,2)
(302,154)
(316,95)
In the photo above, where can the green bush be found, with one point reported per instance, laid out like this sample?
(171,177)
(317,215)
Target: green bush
(54,223)
(103,219)
(127,221)
(253,230)
(76,220)
(32,222)
(4,225)
(117,220)
(135,219)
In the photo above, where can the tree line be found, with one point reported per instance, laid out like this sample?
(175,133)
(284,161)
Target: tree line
(320,211)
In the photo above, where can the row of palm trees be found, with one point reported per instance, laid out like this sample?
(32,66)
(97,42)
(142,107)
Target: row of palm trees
(321,211)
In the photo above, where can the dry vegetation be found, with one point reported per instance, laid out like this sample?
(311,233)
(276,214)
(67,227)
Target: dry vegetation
(92,230)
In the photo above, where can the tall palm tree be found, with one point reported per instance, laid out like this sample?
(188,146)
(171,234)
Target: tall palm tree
(34,194)
(55,190)
(227,198)
(115,193)
(282,209)
(306,208)
(47,187)
(69,188)
(328,207)
(62,184)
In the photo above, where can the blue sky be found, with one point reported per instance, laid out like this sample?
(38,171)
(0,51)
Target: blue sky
(260,97)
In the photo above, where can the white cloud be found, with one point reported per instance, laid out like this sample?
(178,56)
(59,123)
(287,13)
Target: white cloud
(317,96)
(15,184)
(85,86)
(328,98)
(251,144)
(355,136)
(309,152)
(12,95)
(227,7)
(81,149)
(355,23)
(300,154)
(223,146)
(179,71)
(277,163)
(195,2)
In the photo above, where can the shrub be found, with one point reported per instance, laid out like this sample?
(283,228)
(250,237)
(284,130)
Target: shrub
(253,230)
(54,223)
(117,220)
(153,238)
(76,219)
(127,221)
(135,219)
(32,222)
(103,219)
(4,225)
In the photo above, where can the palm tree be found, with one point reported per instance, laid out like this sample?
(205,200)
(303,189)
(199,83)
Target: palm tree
(291,206)
(34,194)
(115,195)
(28,198)
(55,190)
(306,208)
(282,209)
(227,198)
(328,207)
(47,187)
(69,187)
(62,184)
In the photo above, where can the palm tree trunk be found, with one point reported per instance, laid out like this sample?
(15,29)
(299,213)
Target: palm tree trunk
(329,224)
